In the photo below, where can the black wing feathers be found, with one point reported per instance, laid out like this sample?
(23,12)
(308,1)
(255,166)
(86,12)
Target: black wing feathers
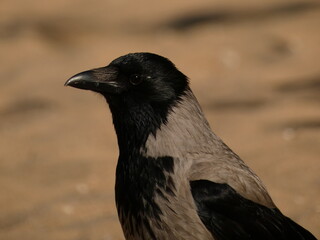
(227,215)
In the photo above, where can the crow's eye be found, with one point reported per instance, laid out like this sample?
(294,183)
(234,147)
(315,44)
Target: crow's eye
(135,79)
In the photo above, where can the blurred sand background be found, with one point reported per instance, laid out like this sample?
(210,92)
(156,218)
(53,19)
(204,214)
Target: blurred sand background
(254,66)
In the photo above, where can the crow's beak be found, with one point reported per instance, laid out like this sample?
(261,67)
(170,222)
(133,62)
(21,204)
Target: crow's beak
(103,80)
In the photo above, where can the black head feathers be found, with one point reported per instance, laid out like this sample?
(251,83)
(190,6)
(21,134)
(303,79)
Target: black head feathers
(135,77)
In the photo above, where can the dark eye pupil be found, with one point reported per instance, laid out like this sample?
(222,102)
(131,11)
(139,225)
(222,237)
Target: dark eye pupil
(135,79)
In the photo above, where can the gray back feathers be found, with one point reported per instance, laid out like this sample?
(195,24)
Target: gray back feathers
(200,154)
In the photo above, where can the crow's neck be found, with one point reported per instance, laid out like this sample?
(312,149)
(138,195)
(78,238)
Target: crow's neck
(134,124)
(186,132)
(164,130)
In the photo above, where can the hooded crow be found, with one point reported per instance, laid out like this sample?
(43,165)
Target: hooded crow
(176,179)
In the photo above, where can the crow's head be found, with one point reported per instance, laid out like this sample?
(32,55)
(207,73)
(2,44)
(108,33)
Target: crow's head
(141,90)
(134,79)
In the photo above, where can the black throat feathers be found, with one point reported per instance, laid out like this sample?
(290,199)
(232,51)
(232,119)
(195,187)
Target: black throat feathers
(140,179)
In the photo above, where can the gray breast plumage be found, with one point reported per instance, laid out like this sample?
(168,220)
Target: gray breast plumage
(177,218)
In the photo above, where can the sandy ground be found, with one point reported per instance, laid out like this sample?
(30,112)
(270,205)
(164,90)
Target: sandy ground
(254,66)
